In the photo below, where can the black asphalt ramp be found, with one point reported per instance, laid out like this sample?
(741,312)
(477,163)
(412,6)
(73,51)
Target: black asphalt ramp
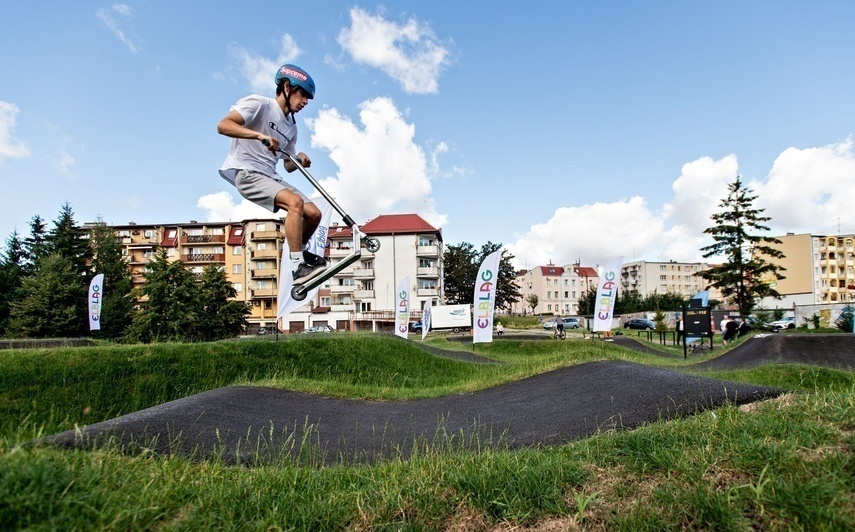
(253,424)
(828,350)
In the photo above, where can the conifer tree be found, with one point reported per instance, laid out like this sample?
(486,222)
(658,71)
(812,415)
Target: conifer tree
(48,307)
(740,279)
(11,274)
(69,240)
(36,245)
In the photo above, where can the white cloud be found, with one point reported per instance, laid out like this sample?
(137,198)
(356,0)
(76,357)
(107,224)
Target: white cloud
(65,162)
(9,146)
(259,70)
(221,207)
(106,16)
(408,53)
(381,170)
(593,233)
(807,191)
(810,190)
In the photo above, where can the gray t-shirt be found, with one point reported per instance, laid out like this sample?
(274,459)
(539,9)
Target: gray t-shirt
(264,115)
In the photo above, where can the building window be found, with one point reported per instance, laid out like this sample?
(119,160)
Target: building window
(237,268)
(261,246)
(260,227)
(237,250)
(238,287)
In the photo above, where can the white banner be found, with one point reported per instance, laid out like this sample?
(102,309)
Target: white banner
(604,304)
(402,308)
(425,320)
(318,242)
(485,298)
(96,297)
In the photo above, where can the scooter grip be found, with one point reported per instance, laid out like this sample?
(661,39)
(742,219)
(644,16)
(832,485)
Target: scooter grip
(266,142)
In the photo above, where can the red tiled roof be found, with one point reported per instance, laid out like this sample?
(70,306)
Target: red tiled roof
(551,270)
(170,242)
(587,271)
(237,235)
(398,223)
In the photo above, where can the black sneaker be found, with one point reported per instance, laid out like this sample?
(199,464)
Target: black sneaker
(314,260)
(305,272)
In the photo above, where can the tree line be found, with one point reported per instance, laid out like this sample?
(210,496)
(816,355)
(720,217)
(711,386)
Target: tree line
(44,283)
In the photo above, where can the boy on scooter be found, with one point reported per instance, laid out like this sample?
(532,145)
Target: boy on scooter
(258,126)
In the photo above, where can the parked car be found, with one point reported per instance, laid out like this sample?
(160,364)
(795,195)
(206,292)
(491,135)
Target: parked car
(640,323)
(262,330)
(319,329)
(786,323)
(571,323)
(549,324)
(416,326)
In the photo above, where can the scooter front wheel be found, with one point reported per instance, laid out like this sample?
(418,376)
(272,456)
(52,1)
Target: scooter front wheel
(371,244)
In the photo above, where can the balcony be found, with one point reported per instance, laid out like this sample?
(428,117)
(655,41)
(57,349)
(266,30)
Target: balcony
(259,293)
(341,308)
(427,251)
(144,244)
(264,274)
(264,254)
(204,257)
(342,289)
(427,292)
(203,239)
(363,273)
(431,271)
(340,252)
(363,294)
(265,235)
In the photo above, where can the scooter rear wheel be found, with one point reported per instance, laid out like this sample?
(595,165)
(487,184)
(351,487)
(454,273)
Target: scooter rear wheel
(296,295)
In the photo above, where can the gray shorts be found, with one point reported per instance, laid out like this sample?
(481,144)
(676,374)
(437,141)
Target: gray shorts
(262,189)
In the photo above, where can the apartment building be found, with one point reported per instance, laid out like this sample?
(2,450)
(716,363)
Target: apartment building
(648,277)
(558,288)
(360,297)
(819,269)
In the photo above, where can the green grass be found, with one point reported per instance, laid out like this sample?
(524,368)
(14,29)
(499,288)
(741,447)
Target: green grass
(779,465)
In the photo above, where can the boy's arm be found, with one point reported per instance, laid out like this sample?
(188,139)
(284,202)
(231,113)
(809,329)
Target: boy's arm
(233,126)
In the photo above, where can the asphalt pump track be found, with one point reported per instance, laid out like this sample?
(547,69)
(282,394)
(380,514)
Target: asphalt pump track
(251,425)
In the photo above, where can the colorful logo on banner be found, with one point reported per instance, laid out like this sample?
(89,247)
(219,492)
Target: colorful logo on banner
(425,321)
(96,296)
(604,304)
(402,308)
(485,298)
(286,305)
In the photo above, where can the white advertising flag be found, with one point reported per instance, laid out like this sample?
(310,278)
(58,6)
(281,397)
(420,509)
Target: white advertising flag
(96,297)
(317,244)
(485,298)
(402,308)
(425,321)
(604,304)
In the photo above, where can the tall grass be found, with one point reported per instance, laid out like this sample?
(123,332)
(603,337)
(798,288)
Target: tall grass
(780,464)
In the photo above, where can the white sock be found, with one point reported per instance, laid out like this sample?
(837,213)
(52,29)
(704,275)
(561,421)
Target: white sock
(296,259)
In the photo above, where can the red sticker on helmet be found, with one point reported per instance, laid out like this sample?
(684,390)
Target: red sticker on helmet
(291,72)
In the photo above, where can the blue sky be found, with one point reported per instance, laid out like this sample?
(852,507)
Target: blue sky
(564,130)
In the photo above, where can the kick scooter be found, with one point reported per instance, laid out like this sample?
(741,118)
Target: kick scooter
(372,245)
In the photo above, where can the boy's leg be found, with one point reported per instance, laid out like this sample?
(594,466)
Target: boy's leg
(295,228)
